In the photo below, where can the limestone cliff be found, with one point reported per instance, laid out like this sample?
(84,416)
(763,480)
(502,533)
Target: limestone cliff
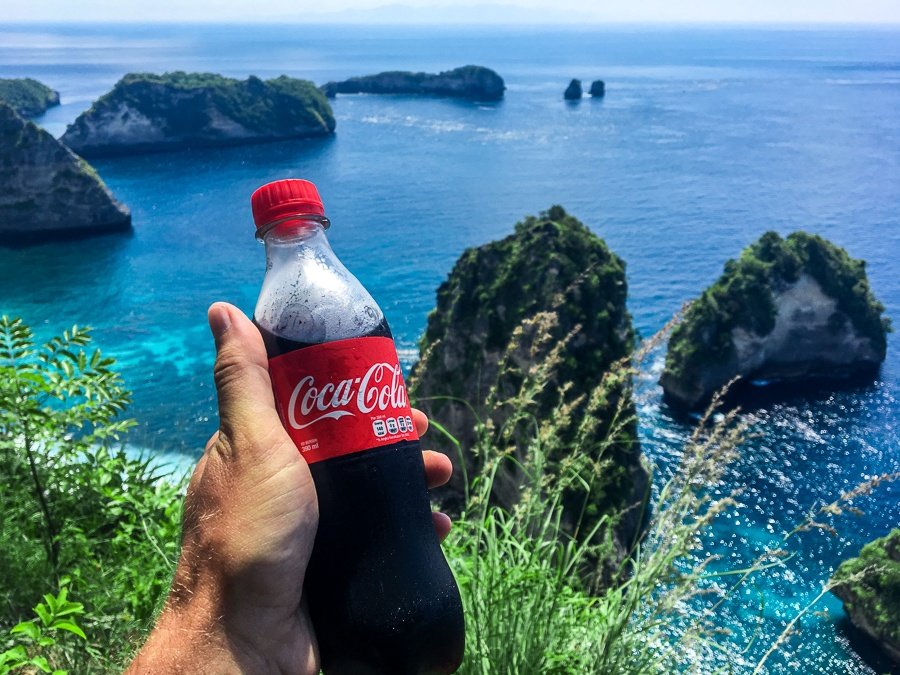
(474,82)
(28,97)
(146,112)
(870,588)
(47,190)
(499,315)
(787,310)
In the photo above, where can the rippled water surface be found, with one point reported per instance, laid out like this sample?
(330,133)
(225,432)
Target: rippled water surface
(706,139)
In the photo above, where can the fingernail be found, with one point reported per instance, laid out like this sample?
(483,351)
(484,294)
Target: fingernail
(219,320)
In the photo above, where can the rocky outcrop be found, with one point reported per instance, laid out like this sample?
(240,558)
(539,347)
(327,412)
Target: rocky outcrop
(501,313)
(146,112)
(47,190)
(28,97)
(598,89)
(870,589)
(787,310)
(573,91)
(473,82)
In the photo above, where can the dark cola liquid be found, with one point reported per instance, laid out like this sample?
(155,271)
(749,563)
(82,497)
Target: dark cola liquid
(381,595)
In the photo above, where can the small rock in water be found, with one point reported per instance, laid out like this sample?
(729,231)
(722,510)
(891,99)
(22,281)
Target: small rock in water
(573,91)
(598,89)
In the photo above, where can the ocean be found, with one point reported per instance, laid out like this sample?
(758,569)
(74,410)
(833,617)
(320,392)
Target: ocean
(707,138)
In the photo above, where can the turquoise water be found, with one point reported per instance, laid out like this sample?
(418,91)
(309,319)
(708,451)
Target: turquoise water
(706,139)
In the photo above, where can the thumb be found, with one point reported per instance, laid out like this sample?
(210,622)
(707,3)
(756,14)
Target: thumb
(246,405)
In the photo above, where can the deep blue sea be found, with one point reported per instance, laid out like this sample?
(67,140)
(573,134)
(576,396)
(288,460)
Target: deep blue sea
(707,137)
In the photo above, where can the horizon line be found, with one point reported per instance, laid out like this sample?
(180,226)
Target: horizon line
(583,23)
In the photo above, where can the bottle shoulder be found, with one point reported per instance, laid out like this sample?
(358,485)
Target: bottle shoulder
(309,296)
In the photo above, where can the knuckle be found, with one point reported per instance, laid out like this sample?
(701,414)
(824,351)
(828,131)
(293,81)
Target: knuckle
(230,367)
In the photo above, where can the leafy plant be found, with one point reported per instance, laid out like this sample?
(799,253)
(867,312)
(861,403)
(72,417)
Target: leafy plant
(35,640)
(74,501)
(56,403)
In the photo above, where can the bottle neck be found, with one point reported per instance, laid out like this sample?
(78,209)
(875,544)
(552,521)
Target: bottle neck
(289,240)
(292,229)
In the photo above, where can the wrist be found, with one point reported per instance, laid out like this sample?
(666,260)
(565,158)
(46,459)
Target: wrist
(192,636)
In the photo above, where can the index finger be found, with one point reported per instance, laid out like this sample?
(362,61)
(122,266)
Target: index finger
(420,419)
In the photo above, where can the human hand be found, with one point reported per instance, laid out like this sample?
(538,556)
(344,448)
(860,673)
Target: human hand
(250,518)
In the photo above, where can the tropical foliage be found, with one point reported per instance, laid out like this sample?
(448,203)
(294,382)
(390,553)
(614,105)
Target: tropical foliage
(81,517)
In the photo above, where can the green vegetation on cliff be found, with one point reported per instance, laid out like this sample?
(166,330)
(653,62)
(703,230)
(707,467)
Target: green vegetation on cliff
(551,260)
(199,108)
(259,105)
(550,297)
(870,588)
(28,97)
(744,297)
(474,82)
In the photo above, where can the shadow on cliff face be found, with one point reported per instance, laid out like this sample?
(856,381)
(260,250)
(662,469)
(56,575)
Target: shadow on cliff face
(868,649)
(218,152)
(751,395)
(21,240)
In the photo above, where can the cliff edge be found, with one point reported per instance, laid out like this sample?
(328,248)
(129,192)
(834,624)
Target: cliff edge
(500,314)
(46,189)
(787,310)
(869,586)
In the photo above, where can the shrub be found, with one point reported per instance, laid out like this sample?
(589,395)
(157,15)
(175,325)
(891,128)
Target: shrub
(74,501)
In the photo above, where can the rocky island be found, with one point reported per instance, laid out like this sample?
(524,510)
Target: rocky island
(598,89)
(28,97)
(500,314)
(472,82)
(870,589)
(46,189)
(787,310)
(146,112)
(573,92)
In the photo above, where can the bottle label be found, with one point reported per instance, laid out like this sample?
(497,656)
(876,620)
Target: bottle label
(341,397)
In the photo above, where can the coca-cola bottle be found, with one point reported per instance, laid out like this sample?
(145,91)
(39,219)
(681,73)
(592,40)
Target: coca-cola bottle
(381,595)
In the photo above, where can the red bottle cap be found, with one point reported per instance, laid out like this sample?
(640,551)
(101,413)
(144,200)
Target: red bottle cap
(283,198)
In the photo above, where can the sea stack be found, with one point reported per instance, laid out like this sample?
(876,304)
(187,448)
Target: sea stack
(146,112)
(598,89)
(573,91)
(788,310)
(500,314)
(472,82)
(29,98)
(870,589)
(46,190)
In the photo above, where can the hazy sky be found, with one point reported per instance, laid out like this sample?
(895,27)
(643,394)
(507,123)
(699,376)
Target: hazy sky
(437,11)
